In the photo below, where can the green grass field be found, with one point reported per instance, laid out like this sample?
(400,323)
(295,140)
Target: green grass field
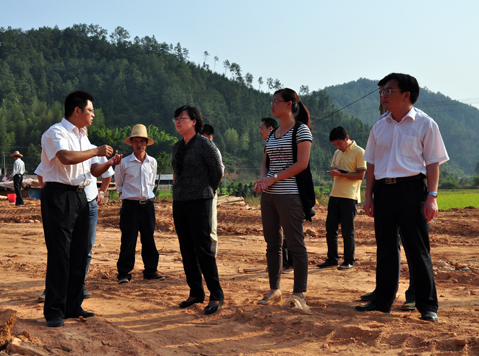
(457,198)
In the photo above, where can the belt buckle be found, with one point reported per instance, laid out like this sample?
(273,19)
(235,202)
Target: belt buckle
(79,189)
(143,201)
(390,180)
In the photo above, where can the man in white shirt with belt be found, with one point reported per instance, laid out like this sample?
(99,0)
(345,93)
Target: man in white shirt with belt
(404,147)
(17,174)
(135,180)
(66,170)
(94,198)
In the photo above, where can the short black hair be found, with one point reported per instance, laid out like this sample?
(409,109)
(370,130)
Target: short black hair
(76,99)
(208,130)
(338,133)
(406,82)
(194,114)
(269,122)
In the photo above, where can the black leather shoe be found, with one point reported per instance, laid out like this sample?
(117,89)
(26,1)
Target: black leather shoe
(86,295)
(82,313)
(210,310)
(327,264)
(154,276)
(345,265)
(371,307)
(429,316)
(186,303)
(369,296)
(55,323)
(409,305)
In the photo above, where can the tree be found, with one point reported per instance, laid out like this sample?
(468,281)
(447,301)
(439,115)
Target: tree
(249,80)
(277,84)
(244,141)
(120,36)
(269,83)
(231,140)
(304,90)
(226,64)
(260,83)
(216,60)
(206,54)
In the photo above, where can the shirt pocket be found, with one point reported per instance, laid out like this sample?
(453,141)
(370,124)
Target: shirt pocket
(410,146)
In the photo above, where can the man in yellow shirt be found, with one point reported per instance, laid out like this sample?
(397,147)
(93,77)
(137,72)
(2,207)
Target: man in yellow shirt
(347,170)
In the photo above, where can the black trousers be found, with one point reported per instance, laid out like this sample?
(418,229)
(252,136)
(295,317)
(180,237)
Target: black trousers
(17,185)
(411,291)
(134,218)
(65,224)
(341,211)
(193,226)
(397,207)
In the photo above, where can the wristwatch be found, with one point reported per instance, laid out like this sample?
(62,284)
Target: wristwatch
(276,176)
(100,192)
(434,194)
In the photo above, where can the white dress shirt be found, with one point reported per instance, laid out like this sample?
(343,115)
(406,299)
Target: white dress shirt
(64,136)
(18,167)
(135,180)
(91,190)
(405,148)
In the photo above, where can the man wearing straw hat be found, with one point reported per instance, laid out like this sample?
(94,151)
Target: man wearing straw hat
(135,180)
(17,174)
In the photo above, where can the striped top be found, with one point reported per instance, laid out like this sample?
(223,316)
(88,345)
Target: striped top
(280,152)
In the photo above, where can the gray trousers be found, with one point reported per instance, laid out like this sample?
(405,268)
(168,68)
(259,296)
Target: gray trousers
(284,212)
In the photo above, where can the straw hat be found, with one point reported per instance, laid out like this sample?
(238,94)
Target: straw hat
(139,131)
(16,154)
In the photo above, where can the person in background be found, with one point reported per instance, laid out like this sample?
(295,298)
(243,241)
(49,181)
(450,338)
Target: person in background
(281,205)
(347,170)
(209,132)
(404,147)
(17,174)
(268,124)
(66,151)
(135,180)
(197,173)
(94,198)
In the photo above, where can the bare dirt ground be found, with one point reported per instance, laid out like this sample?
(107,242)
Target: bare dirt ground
(143,318)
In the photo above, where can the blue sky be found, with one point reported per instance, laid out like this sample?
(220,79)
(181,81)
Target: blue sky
(303,42)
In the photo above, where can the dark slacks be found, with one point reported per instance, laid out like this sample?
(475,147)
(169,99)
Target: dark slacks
(401,206)
(134,218)
(341,211)
(17,185)
(193,226)
(65,224)
(284,213)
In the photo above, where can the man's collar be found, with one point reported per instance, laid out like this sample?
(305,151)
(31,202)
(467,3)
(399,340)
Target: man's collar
(70,127)
(133,157)
(411,114)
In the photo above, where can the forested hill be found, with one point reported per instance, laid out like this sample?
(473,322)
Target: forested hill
(141,80)
(458,122)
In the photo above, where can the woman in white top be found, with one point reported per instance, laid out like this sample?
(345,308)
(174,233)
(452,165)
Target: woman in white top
(281,207)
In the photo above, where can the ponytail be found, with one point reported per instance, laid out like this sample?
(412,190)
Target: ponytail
(299,110)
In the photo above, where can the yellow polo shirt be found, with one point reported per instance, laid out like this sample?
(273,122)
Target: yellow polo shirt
(350,160)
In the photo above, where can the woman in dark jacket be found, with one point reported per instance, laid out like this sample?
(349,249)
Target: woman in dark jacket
(197,174)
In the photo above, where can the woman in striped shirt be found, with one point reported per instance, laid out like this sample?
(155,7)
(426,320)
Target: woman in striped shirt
(281,207)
